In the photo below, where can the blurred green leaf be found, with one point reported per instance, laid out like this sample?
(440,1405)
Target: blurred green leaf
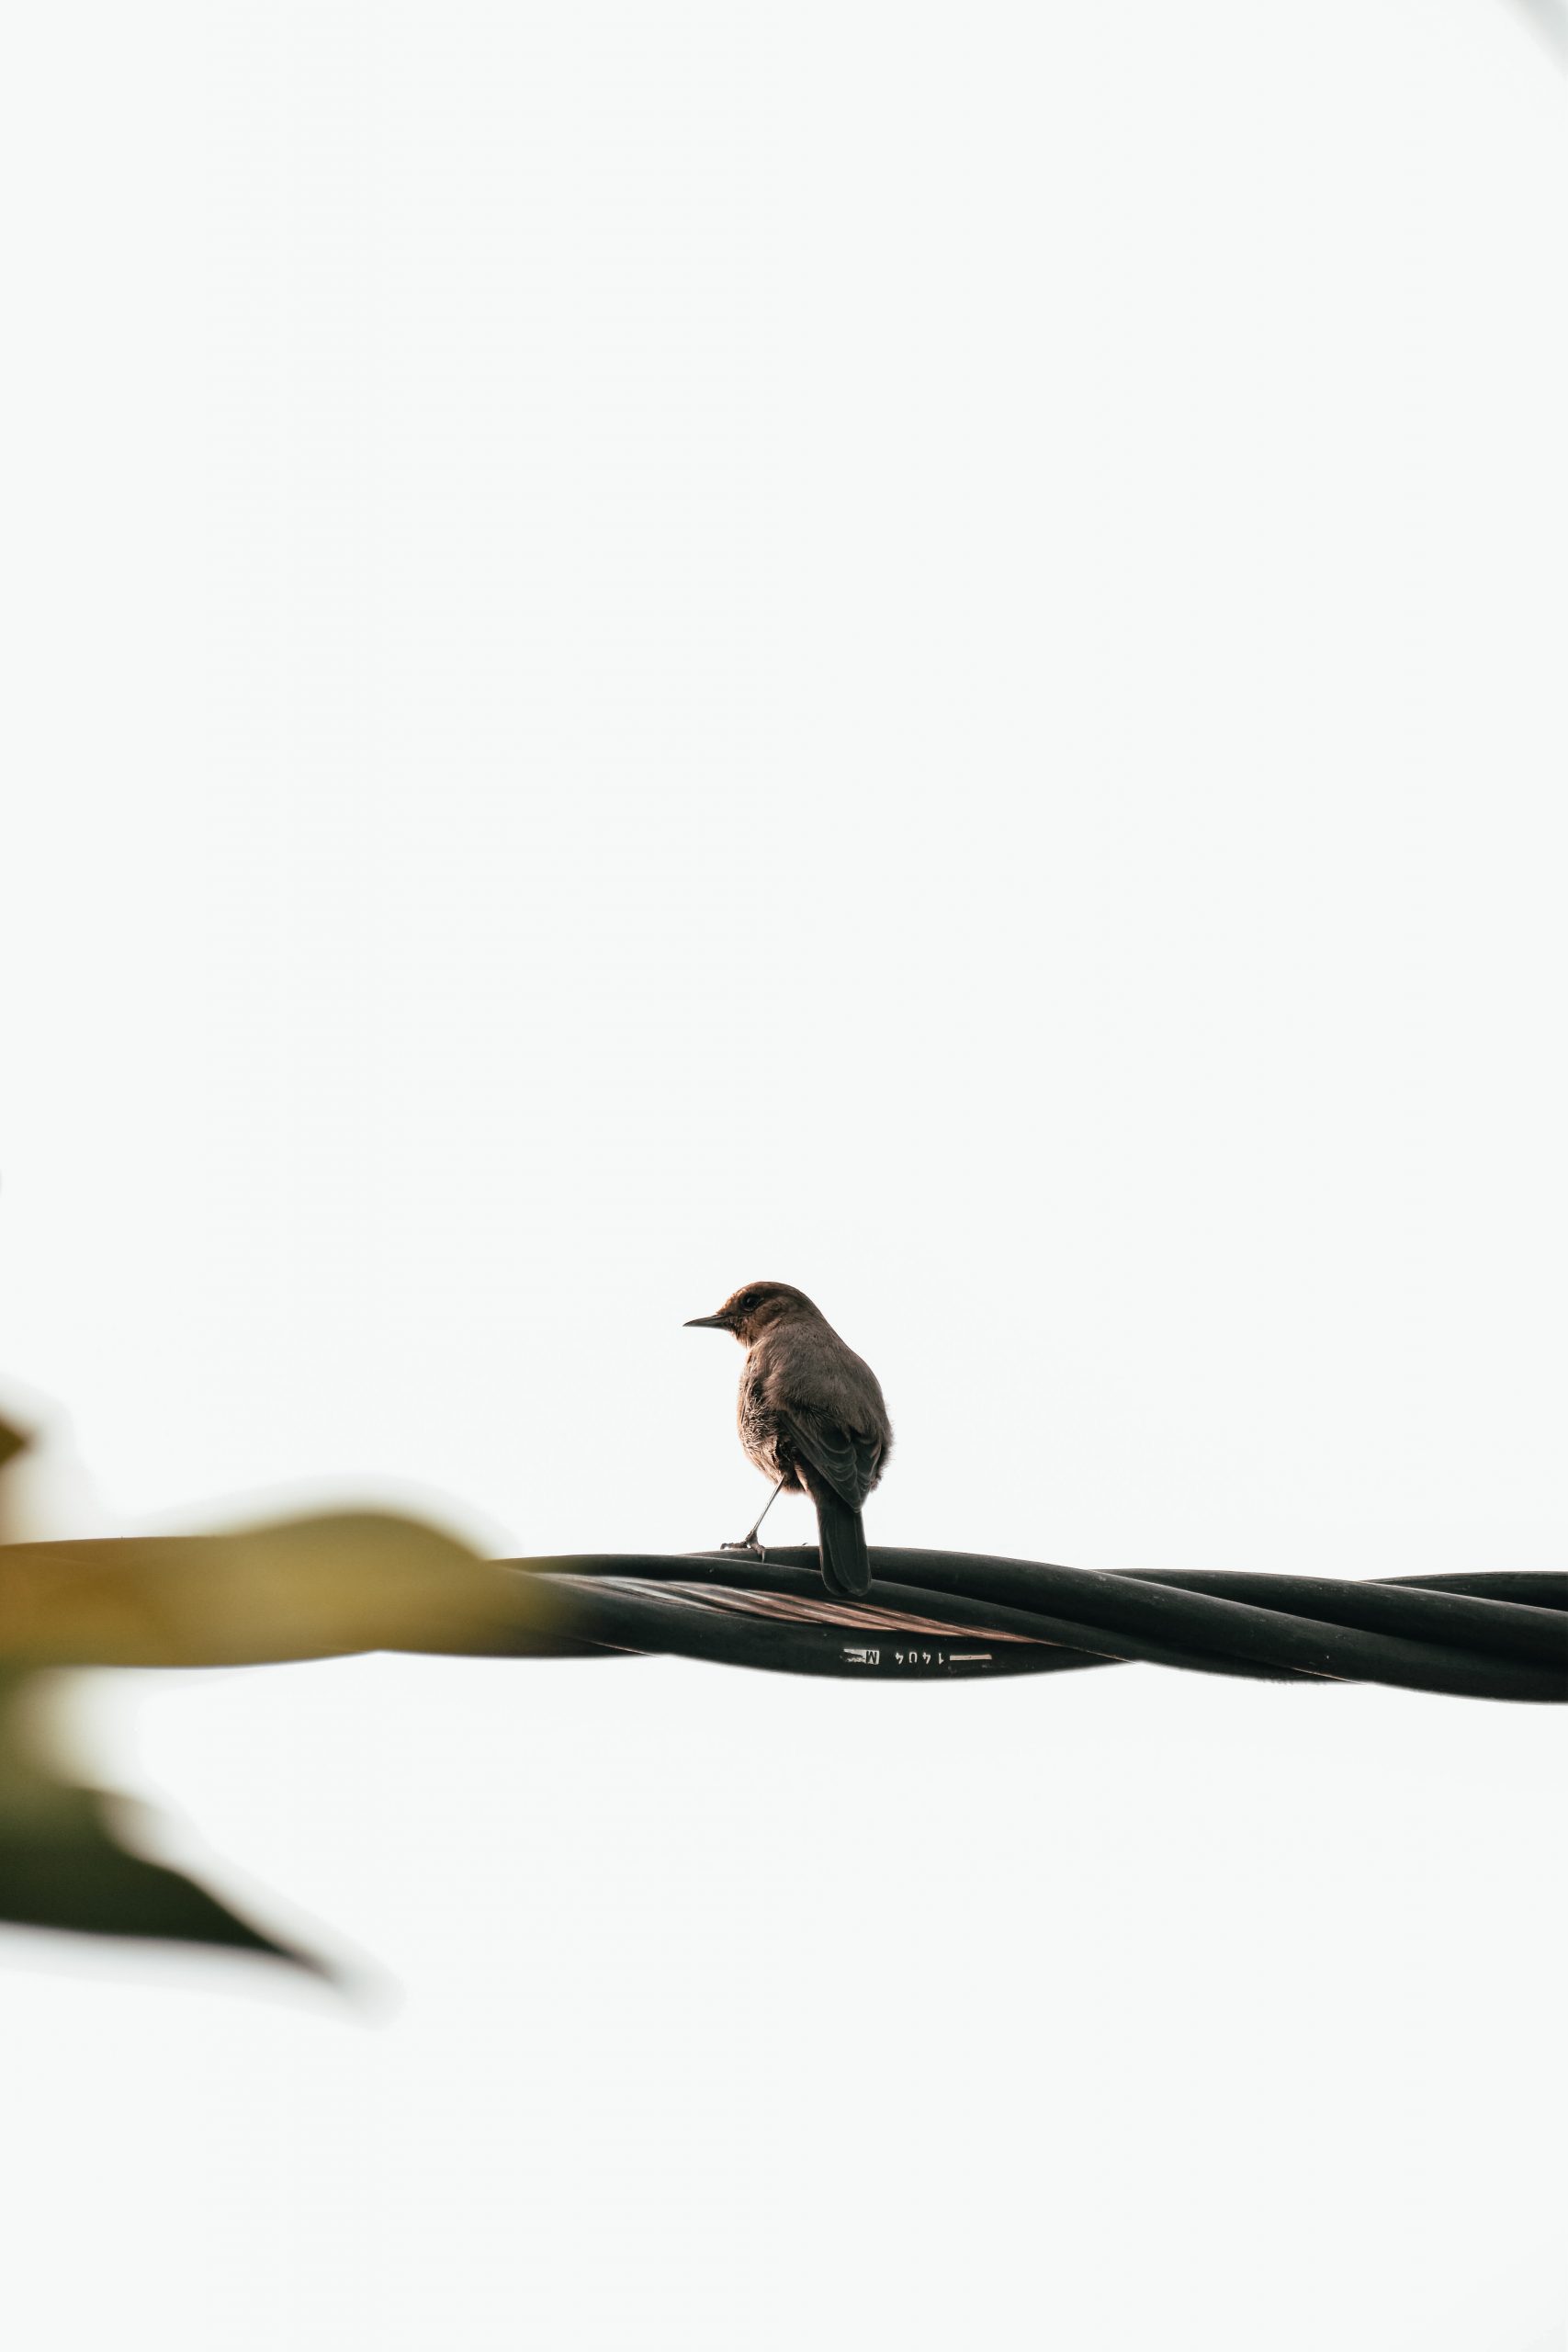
(62,1865)
(302,1588)
(11,1443)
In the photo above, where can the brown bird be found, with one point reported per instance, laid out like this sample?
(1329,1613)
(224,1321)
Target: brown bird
(811,1417)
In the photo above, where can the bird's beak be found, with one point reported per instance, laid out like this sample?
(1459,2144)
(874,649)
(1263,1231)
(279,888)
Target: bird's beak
(706,1323)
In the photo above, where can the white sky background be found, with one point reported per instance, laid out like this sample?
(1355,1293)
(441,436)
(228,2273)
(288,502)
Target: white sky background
(917,650)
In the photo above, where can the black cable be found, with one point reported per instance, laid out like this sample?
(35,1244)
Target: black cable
(1500,1635)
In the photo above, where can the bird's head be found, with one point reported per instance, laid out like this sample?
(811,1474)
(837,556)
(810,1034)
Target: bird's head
(753,1310)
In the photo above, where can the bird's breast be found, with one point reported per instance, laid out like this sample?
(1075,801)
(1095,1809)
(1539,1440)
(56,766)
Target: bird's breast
(759,1427)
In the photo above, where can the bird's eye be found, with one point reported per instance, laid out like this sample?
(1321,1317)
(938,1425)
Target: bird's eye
(750,1301)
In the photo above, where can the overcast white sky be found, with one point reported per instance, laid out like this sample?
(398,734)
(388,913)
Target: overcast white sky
(917,650)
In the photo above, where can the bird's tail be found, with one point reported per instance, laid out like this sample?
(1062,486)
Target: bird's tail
(846,1563)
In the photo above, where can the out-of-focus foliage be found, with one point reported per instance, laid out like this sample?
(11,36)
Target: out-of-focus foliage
(303,1588)
(63,1863)
(308,1587)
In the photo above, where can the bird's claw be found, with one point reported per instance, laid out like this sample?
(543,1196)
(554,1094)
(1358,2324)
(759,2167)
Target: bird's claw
(749,1546)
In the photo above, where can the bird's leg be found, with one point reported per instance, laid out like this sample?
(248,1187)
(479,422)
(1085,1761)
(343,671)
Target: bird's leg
(749,1543)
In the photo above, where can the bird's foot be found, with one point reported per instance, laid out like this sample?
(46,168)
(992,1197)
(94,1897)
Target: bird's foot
(748,1545)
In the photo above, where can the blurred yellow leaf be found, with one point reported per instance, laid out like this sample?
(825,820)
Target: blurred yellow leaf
(302,1588)
(308,1587)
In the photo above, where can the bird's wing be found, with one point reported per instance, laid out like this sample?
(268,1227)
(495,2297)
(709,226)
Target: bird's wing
(848,1459)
